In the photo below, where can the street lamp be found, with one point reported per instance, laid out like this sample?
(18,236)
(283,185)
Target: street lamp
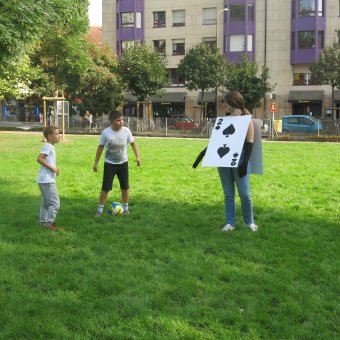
(218,13)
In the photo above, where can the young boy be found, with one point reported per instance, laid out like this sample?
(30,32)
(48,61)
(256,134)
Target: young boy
(47,178)
(115,139)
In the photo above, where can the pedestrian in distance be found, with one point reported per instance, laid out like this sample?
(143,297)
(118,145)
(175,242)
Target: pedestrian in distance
(46,179)
(115,140)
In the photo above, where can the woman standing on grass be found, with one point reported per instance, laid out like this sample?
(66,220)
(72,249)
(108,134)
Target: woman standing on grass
(233,101)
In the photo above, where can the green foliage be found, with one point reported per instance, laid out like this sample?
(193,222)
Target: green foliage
(327,68)
(245,78)
(144,71)
(22,23)
(61,53)
(17,77)
(165,271)
(203,68)
(100,89)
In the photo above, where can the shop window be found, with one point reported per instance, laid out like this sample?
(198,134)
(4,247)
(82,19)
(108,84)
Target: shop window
(159,19)
(159,46)
(209,16)
(237,12)
(178,18)
(178,46)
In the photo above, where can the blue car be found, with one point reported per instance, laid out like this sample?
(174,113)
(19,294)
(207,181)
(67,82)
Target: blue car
(300,123)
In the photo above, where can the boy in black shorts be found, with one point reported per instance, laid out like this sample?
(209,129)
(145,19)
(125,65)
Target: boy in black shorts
(115,139)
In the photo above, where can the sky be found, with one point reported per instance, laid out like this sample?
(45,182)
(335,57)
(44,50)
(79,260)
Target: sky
(95,13)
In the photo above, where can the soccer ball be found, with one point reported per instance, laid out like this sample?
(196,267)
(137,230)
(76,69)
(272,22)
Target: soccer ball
(115,208)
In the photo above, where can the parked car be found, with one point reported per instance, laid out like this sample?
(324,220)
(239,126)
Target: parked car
(182,123)
(301,123)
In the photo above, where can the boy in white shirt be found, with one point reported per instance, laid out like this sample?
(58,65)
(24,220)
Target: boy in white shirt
(115,140)
(47,178)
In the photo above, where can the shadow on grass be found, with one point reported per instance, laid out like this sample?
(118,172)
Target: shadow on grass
(165,270)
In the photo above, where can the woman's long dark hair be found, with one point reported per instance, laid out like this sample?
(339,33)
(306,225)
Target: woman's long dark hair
(235,100)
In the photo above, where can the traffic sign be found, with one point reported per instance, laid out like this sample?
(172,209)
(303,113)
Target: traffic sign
(273,108)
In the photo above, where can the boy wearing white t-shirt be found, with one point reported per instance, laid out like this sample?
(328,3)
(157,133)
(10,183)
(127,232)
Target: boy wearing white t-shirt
(47,178)
(115,139)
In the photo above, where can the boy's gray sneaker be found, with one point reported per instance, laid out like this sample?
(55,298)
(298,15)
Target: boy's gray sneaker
(228,227)
(252,226)
(98,214)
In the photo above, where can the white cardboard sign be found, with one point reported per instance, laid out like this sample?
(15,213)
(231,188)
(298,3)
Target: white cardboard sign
(226,141)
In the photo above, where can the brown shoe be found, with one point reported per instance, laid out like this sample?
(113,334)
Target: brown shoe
(54,227)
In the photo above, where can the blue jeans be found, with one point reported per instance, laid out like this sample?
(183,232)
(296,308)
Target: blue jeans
(229,177)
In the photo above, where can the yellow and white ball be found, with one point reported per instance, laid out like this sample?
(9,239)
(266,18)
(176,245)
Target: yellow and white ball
(115,209)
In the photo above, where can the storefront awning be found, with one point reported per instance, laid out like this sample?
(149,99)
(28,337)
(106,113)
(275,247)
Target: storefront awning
(301,96)
(170,97)
(208,97)
(337,95)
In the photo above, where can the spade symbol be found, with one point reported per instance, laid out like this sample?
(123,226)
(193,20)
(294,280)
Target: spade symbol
(217,127)
(235,154)
(223,150)
(229,130)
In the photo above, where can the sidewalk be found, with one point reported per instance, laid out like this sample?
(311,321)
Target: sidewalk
(21,125)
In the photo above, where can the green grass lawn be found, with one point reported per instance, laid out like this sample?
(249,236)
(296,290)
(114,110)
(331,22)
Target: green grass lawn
(166,271)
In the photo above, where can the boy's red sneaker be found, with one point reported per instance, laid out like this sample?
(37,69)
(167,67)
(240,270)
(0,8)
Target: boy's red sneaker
(54,227)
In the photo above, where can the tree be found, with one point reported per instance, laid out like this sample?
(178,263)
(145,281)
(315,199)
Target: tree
(327,69)
(61,53)
(144,71)
(203,68)
(100,89)
(17,78)
(244,77)
(22,23)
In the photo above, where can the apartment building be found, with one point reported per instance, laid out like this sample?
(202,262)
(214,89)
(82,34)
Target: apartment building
(285,35)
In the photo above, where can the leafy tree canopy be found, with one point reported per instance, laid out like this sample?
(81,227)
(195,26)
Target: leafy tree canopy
(202,68)
(244,77)
(61,52)
(327,68)
(100,89)
(144,71)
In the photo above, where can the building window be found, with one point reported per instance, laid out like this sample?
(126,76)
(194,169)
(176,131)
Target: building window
(175,78)
(250,12)
(306,39)
(306,8)
(127,44)
(320,39)
(128,19)
(237,12)
(209,16)
(293,8)
(138,20)
(210,42)
(178,46)
(249,43)
(159,46)
(159,19)
(293,41)
(178,18)
(320,8)
(237,43)
(305,79)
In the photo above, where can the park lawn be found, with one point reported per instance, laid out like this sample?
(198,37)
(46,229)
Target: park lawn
(166,270)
